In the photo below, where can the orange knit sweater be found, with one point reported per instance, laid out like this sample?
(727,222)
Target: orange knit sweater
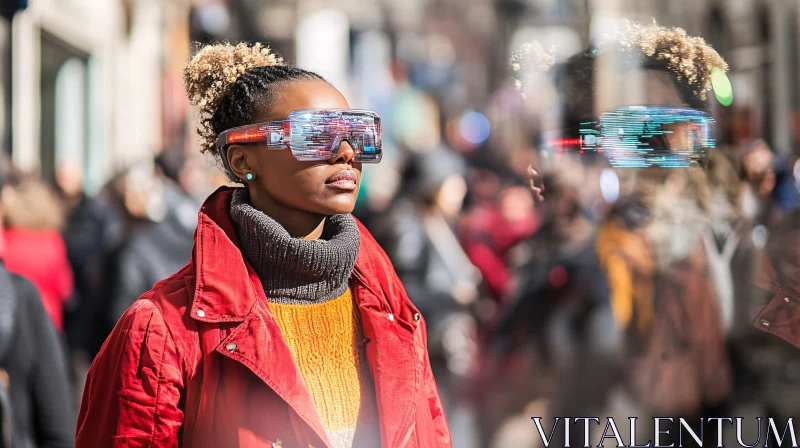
(325,341)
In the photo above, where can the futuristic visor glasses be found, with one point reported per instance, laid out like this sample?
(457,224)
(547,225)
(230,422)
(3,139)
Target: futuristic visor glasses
(313,135)
(641,136)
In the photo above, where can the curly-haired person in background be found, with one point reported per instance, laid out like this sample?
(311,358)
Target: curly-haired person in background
(666,287)
(289,326)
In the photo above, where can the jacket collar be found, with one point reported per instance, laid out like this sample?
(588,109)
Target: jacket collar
(224,291)
(225,283)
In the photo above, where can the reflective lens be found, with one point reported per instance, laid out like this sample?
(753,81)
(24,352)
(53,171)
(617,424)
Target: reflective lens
(313,135)
(641,136)
(317,134)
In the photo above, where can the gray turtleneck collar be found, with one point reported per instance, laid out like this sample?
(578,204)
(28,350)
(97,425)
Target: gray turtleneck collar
(294,270)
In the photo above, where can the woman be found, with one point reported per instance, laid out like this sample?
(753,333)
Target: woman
(35,248)
(288,326)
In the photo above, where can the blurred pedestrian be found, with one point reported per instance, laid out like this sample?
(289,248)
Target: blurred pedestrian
(37,407)
(87,323)
(650,246)
(726,239)
(93,228)
(35,249)
(289,325)
(557,322)
(163,245)
(419,235)
(494,226)
(759,181)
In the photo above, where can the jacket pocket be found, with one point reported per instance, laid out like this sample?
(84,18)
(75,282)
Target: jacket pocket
(781,317)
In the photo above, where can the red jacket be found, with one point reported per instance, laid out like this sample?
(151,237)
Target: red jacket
(199,360)
(778,271)
(41,257)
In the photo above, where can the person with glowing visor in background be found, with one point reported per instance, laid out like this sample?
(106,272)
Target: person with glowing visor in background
(289,326)
(666,296)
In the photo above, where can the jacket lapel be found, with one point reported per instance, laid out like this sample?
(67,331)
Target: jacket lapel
(391,355)
(258,344)
(227,289)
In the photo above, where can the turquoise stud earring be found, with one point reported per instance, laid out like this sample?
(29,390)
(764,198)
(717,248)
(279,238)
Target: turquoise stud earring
(249,176)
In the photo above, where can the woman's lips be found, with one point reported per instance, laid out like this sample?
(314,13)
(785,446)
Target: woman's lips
(343,180)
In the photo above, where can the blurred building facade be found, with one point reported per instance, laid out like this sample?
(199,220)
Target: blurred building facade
(98,82)
(83,82)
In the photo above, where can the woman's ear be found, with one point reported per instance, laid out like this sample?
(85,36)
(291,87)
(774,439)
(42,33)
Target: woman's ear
(239,161)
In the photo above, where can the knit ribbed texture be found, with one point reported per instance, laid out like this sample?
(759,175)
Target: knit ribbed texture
(325,342)
(294,270)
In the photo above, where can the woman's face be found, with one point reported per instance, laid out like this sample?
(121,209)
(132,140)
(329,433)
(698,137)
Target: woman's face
(659,90)
(322,187)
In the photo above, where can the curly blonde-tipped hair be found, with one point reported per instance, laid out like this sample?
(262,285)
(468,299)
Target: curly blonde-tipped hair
(530,56)
(689,58)
(211,73)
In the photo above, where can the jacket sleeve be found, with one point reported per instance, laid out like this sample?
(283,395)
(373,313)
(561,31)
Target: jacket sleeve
(134,387)
(53,401)
(434,401)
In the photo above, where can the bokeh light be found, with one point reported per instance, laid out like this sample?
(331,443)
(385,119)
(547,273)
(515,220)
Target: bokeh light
(722,86)
(609,185)
(474,127)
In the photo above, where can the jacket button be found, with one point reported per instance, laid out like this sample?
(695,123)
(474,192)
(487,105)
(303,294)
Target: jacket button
(201,313)
(390,316)
(417,316)
(765,323)
(231,346)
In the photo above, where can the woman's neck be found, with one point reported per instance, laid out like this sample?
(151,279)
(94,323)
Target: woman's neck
(292,269)
(299,223)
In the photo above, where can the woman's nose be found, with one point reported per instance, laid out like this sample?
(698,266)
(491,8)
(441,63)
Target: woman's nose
(344,154)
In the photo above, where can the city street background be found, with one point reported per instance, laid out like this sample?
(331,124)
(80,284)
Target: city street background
(99,142)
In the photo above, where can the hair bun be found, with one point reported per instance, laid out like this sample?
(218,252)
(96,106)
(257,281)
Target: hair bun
(211,72)
(208,77)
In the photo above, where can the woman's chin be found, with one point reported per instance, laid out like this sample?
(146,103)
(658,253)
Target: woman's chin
(338,205)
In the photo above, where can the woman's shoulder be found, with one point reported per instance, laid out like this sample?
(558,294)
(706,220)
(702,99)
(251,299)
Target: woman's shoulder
(137,377)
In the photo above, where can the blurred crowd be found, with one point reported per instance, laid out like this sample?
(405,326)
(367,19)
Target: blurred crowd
(621,294)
